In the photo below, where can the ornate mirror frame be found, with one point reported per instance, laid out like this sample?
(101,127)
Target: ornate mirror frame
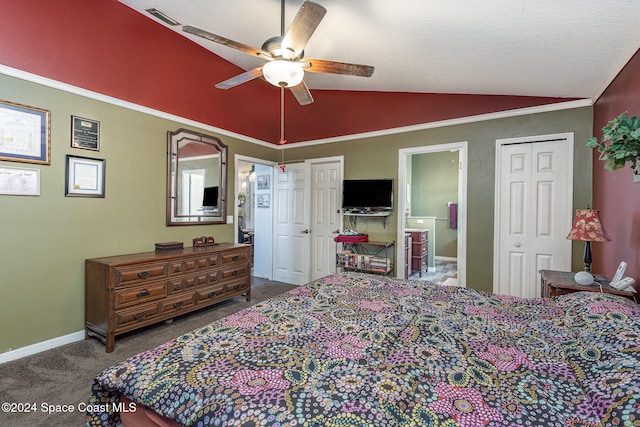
(196,179)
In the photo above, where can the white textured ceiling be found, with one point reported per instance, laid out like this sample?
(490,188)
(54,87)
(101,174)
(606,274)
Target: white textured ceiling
(561,48)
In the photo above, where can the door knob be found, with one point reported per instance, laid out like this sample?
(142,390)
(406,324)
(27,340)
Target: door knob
(517,245)
(306,231)
(336,231)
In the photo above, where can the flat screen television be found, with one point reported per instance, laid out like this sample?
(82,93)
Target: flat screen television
(210,198)
(367,194)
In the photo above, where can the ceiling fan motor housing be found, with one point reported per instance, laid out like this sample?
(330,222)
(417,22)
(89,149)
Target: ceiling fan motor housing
(275,48)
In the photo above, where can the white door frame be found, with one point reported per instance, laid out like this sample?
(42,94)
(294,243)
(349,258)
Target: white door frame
(403,154)
(240,158)
(567,216)
(236,185)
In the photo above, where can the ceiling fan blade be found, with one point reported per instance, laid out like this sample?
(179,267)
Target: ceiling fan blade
(302,94)
(240,78)
(334,67)
(227,42)
(304,24)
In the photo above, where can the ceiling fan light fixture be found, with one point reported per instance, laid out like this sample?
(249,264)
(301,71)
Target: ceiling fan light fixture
(283,73)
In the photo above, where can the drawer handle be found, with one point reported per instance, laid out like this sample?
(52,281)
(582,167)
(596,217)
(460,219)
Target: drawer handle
(235,257)
(140,316)
(212,294)
(177,287)
(235,272)
(143,293)
(144,274)
(178,304)
(236,287)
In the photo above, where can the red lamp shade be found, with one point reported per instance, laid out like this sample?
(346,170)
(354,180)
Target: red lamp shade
(587,227)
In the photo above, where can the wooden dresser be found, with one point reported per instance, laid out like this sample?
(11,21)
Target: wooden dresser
(126,292)
(419,250)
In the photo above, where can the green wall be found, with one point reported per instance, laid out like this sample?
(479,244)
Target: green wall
(46,239)
(434,183)
(377,157)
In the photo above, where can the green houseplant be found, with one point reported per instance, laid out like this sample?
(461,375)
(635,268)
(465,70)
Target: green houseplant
(623,137)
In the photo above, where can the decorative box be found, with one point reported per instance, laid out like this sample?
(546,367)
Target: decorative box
(169,246)
(203,241)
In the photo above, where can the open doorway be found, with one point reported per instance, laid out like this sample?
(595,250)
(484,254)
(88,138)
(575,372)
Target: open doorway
(433,212)
(253,216)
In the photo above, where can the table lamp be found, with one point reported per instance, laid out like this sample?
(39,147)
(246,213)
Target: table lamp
(587,228)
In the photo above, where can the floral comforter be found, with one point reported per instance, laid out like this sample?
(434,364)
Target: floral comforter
(353,350)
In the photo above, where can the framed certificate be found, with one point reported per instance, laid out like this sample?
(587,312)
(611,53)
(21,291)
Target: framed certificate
(25,134)
(19,181)
(85,177)
(85,133)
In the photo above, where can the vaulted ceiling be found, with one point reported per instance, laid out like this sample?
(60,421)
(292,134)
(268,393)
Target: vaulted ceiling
(551,48)
(434,60)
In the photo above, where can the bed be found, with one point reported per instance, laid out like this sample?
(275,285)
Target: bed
(354,349)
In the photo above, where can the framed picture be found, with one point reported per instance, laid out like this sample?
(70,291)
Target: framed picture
(25,134)
(263,200)
(85,133)
(263,182)
(19,181)
(85,177)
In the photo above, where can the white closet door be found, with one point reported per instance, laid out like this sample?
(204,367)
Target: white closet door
(533,212)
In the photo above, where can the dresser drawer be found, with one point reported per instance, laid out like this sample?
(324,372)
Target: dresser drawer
(181,284)
(210,293)
(419,249)
(235,271)
(235,256)
(133,316)
(178,304)
(419,236)
(238,286)
(140,294)
(190,265)
(125,276)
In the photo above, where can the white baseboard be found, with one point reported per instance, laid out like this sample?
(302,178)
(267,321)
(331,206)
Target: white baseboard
(445,258)
(41,346)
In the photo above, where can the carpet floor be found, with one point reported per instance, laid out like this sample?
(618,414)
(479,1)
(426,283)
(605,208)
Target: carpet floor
(64,375)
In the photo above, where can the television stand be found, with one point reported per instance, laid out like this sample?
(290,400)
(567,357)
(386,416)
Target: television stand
(379,214)
(367,257)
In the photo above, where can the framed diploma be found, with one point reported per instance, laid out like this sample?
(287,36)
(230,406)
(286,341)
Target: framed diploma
(25,134)
(19,181)
(85,177)
(85,133)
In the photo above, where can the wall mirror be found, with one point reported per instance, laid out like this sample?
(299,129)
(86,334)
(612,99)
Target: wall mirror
(196,179)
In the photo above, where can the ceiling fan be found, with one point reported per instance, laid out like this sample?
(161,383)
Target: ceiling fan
(284,54)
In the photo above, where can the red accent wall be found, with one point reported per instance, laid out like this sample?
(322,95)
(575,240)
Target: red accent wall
(106,47)
(615,193)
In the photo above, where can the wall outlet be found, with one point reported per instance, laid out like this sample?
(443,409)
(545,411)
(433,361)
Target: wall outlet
(229,219)
(421,221)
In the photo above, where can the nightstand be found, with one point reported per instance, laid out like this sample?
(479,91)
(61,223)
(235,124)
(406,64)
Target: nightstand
(556,283)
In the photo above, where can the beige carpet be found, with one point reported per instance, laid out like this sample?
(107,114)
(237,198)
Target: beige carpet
(64,375)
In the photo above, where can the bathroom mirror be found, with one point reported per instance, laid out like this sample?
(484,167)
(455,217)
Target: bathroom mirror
(196,179)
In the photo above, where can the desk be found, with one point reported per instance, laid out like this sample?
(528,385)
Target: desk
(556,283)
